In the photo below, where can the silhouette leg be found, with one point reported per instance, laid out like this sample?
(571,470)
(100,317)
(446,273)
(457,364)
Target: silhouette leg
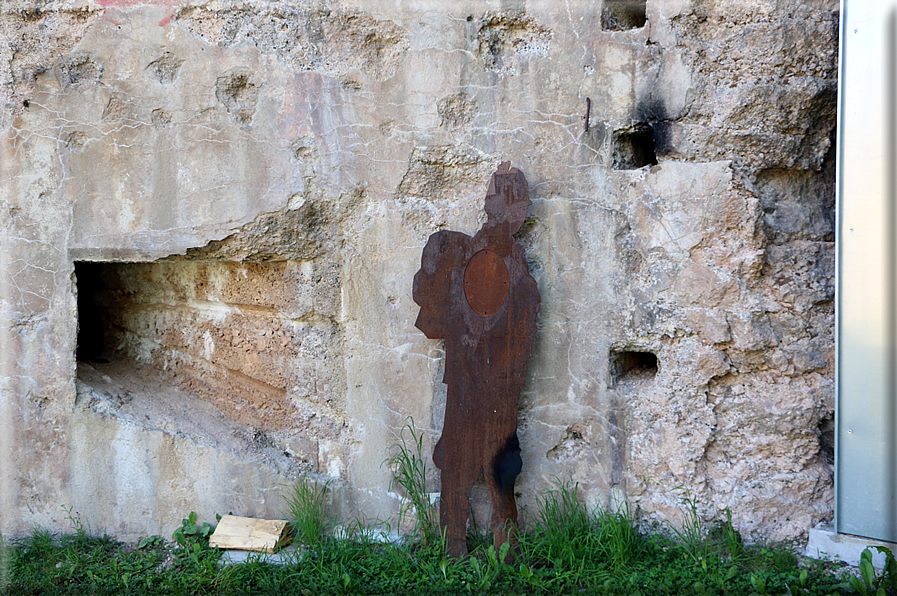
(504,468)
(504,516)
(454,511)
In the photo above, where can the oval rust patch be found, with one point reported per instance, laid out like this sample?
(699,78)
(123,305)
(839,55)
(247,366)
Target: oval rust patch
(486,282)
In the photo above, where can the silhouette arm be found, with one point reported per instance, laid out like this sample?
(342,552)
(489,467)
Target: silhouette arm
(435,286)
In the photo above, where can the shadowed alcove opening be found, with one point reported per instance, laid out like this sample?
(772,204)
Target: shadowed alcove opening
(91,334)
(248,338)
(620,15)
(179,348)
(633,147)
(629,365)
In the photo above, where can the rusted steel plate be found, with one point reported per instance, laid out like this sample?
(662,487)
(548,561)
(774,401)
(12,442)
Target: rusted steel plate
(477,293)
(486,282)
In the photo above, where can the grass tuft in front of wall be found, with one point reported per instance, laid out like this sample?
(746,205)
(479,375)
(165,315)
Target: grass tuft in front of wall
(409,468)
(308,511)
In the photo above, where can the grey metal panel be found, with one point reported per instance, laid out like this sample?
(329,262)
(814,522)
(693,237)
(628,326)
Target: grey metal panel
(867,256)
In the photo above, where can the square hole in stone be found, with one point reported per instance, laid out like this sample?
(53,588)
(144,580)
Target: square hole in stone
(629,365)
(620,15)
(634,147)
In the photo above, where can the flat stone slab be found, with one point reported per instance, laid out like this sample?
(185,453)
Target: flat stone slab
(287,556)
(826,544)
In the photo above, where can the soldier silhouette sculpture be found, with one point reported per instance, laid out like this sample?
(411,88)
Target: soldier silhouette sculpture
(477,294)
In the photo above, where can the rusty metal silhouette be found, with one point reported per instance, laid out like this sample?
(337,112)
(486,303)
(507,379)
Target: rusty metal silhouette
(478,295)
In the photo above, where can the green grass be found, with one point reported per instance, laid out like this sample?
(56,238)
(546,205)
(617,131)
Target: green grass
(308,511)
(567,549)
(409,469)
(567,534)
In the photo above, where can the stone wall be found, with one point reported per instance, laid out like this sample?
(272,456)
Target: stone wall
(234,197)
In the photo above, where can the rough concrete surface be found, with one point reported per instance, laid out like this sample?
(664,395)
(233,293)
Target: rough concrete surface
(212,212)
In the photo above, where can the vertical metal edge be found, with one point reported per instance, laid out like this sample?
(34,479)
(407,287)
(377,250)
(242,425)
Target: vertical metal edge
(890,197)
(887,180)
(839,180)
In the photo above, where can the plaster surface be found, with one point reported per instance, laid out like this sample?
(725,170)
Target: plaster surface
(258,180)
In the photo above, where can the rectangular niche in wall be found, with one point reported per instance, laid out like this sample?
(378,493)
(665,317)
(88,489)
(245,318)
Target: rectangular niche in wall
(634,147)
(620,15)
(256,340)
(628,365)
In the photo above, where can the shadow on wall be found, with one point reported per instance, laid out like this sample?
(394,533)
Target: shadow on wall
(91,343)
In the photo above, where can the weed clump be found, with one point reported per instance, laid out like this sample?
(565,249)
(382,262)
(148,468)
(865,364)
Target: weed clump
(410,474)
(567,534)
(308,510)
(870,582)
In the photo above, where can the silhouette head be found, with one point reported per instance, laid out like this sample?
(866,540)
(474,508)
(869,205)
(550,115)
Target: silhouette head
(507,199)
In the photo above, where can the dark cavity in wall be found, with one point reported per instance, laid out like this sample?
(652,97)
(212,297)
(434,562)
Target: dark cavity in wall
(634,147)
(91,334)
(620,15)
(628,365)
(826,431)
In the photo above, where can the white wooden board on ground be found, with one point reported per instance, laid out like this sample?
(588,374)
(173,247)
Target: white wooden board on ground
(246,533)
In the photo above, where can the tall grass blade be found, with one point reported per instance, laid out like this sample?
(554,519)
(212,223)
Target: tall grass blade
(308,510)
(410,474)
